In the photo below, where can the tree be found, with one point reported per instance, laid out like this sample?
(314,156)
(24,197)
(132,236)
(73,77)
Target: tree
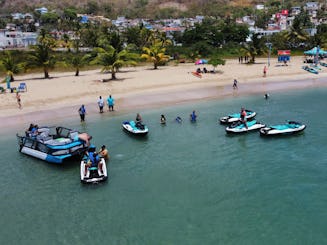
(297,33)
(42,57)
(11,65)
(215,60)
(253,48)
(112,60)
(156,51)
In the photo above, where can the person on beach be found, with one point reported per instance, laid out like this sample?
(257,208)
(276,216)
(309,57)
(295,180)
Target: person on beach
(243,117)
(111,103)
(193,116)
(266,96)
(235,84)
(100,104)
(163,119)
(265,71)
(82,112)
(18,100)
(104,153)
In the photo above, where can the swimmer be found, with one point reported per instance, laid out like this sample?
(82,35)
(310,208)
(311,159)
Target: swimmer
(178,119)
(266,96)
(163,119)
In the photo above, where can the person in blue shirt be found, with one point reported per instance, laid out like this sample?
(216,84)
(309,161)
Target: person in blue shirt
(111,103)
(193,117)
(94,161)
(82,112)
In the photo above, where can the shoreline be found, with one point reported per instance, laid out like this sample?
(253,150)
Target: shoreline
(142,88)
(147,101)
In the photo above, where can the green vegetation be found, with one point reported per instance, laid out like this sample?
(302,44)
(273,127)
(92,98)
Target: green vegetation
(102,44)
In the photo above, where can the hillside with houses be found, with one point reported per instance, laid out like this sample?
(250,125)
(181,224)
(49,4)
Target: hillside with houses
(19,29)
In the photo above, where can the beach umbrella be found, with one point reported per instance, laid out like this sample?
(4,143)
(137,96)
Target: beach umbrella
(201,62)
(315,51)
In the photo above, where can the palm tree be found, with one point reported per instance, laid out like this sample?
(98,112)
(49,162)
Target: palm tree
(253,48)
(10,65)
(156,52)
(42,57)
(112,60)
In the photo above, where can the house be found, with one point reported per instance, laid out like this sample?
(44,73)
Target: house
(295,11)
(42,10)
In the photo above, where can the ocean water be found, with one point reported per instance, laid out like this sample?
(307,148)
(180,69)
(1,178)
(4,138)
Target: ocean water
(182,184)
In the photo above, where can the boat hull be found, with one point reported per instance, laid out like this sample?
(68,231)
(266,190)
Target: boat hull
(240,128)
(237,117)
(279,130)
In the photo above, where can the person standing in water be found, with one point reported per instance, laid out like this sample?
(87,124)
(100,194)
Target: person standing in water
(100,104)
(193,116)
(111,103)
(82,112)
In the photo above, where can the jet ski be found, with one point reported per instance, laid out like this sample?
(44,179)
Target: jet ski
(236,117)
(135,128)
(290,127)
(239,127)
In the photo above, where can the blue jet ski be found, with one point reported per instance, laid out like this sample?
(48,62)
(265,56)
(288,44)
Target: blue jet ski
(135,128)
(239,127)
(237,117)
(288,128)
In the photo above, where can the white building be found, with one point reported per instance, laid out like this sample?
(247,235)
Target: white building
(17,39)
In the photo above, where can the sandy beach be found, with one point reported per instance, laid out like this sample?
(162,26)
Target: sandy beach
(138,88)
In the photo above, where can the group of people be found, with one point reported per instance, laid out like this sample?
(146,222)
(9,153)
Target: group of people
(240,59)
(110,103)
(100,102)
(178,119)
(198,70)
(93,159)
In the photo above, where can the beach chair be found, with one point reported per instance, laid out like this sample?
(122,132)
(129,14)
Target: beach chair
(22,87)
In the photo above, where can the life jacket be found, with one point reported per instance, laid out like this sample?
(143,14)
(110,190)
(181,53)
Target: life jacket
(94,160)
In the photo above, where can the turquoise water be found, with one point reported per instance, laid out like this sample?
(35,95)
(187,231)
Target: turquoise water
(182,184)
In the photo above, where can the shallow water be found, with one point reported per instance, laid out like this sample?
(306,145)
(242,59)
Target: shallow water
(182,184)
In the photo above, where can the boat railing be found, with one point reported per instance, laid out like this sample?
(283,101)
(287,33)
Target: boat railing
(35,144)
